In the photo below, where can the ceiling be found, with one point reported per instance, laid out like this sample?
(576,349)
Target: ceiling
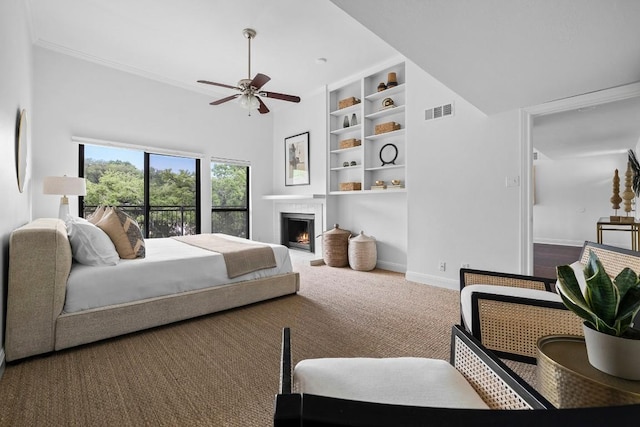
(180,42)
(505,54)
(603,129)
(497,54)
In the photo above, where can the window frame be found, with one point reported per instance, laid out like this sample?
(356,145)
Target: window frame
(247,208)
(146,195)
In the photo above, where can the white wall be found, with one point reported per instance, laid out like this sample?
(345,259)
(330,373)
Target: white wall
(572,194)
(16,75)
(74,97)
(459,208)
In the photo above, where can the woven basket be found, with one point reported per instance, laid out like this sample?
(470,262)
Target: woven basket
(335,244)
(362,252)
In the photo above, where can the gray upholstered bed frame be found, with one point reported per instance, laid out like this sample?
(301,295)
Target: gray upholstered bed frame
(39,264)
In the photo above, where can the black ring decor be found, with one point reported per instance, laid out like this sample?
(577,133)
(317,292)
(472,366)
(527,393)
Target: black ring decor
(387,155)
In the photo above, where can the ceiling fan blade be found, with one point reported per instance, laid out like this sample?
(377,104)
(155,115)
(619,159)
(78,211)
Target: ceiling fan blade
(282,96)
(228,98)
(259,80)
(263,108)
(218,84)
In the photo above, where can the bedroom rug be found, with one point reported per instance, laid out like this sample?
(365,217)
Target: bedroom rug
(222,369)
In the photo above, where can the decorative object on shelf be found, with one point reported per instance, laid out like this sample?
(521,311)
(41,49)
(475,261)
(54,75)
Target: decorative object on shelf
(615,199)
(335,244)
(363,254)
(379,185)
(387,103)
(382,87)
(388,154)
(350,186)
(608,308)
(354,119)
(296,152)
(353,163)
(386,127)
(396,184)
(64,186)
(348,102)
(349,143)
(628,195)
(392,80)
(345,164)
(345,122)
(22,143)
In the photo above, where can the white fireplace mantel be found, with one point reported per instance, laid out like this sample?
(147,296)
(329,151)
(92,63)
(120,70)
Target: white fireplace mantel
(293,196)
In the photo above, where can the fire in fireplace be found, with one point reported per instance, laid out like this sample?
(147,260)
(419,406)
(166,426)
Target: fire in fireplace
(297,231)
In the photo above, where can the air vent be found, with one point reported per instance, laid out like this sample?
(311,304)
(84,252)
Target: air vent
(535,155)
(439,112)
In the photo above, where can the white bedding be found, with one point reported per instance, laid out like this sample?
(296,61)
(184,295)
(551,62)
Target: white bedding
(170,267)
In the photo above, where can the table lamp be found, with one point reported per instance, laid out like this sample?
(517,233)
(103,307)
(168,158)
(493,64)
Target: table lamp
(64,186)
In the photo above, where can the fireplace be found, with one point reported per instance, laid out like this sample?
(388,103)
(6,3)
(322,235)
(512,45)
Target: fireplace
(297,231)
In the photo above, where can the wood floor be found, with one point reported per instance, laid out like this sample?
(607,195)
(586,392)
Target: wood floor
(547,257)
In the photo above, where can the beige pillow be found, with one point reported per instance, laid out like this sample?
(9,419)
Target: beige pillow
(124,232)
(97,215)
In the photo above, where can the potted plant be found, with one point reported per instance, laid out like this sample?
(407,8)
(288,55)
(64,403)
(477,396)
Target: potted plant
(608,307)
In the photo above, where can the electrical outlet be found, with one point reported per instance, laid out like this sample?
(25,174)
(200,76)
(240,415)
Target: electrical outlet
(464,265)
(442,266)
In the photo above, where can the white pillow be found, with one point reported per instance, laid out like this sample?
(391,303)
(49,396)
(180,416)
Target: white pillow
(89,244)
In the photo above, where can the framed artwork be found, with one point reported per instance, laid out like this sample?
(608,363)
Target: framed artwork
(296,159)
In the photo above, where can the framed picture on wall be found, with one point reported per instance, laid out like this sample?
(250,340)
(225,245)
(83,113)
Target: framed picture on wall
(296,159)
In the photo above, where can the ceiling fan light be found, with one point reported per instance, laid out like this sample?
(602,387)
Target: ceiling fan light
(254,103)
(244,101)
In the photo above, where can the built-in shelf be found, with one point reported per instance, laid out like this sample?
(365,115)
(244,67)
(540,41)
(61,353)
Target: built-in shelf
(369,113)
(340,168)
(343,193)
(387,93)
(399,132)
(347,129)
(386,112)
(347,111)
(385,167)
(346,150)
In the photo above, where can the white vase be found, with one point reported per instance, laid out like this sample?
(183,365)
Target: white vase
(613,355)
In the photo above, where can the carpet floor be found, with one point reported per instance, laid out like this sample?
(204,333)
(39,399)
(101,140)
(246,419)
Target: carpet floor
(222,369)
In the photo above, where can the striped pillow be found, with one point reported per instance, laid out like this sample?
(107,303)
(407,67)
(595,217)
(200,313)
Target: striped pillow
(124,232)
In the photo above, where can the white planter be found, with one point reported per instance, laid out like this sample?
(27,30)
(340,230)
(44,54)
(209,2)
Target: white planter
(613,355)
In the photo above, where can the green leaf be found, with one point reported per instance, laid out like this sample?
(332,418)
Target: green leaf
(601,295)
(625,281)
(571,294)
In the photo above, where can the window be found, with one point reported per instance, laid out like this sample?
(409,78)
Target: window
(161,192)
(230,199)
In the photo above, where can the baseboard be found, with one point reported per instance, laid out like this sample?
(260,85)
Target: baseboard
(426,279)
(391,266)
(562,242)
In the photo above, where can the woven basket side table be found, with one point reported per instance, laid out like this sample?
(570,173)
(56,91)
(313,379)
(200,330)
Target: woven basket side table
(567,379)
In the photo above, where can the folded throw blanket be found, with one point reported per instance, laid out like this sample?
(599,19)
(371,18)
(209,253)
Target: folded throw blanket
(239,257)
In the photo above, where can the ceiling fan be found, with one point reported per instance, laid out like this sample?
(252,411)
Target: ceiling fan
(249,89)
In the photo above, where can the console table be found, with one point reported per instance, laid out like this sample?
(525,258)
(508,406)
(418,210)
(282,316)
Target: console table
(605,224)
(567,380)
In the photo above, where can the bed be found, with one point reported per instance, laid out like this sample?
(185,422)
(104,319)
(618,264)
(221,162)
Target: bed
(55,303)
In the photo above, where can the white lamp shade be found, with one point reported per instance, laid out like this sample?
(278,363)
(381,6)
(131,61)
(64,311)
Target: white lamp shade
(64,186)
